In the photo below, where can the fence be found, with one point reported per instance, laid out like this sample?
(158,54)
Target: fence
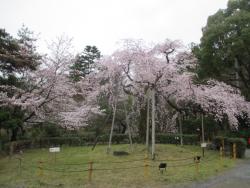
(90,167)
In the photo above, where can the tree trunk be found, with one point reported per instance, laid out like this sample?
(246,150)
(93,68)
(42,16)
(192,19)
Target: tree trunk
(142,123)
(153,124)
(14,132)
(112,128)
(237,78)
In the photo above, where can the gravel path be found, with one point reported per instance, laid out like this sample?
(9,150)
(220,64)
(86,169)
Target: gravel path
(238,177)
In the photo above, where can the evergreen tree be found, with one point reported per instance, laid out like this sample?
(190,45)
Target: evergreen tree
(84,63)
(224,51)
(17,55)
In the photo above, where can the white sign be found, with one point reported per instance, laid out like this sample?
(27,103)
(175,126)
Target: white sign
(203,145)
(55,149)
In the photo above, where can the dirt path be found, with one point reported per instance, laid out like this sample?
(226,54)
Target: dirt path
(238,177)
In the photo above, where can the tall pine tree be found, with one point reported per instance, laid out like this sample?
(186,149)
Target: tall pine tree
(84,63)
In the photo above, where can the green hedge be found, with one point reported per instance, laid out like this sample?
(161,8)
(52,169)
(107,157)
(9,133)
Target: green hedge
(90,139)
(171,139)
(116,138)
(241,145)
(59,141)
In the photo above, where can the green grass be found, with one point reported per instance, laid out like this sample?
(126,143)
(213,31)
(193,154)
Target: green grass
(70,167)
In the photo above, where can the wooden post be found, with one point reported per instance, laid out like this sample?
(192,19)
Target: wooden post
(40,168)
(90,170)
(147,131)
(221,156)
(146,166)
(153,123)
(11,149)
(20,165)
(221,152)
(112,127)
(223,147)
(203,136)
(197,165)
(234,151)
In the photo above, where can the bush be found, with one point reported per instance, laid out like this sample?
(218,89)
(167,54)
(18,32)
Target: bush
(116,138)
(241,145)
(171,139)
(120,153)
(13,147)
(59,141)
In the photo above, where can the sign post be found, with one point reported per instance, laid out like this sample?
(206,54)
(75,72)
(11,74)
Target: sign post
(54,150)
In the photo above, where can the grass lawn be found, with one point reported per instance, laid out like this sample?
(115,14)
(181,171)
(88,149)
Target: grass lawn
(70,169)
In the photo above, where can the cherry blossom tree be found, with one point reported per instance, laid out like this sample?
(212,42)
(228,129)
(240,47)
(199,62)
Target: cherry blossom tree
(48,93)
(160,74)
(164,70)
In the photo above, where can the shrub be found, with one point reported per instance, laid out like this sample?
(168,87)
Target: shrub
(120,153)
(241,145)
(16,146)
(116,138)
(171,139)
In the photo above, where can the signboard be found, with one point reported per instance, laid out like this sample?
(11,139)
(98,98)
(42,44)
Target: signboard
(203,145)
(54,149)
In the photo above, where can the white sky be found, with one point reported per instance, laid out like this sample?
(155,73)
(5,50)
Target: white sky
(105,22)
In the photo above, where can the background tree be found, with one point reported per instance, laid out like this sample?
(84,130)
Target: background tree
(17,57)
(224,51)
(84,63)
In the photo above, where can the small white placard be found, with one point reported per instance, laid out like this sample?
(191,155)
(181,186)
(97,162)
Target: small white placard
(54,149)
(203,145)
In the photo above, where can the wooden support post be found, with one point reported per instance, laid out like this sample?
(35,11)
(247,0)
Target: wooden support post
(223,147)
(112,127)
(221,153)
(128,126)
(234,151)
(203,135)
(153,124)
(180,124)
(146,166)
(197,167)
(147,130)
(20,165)
(90,170)
(221,156)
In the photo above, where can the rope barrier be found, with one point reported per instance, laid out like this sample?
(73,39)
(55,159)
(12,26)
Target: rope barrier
(184,159)
(41,166)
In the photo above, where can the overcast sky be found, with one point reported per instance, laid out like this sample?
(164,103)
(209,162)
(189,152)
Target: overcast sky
(104,22)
